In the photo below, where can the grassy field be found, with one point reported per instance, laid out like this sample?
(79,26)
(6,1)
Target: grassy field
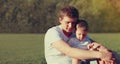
(21,49)
(29,48)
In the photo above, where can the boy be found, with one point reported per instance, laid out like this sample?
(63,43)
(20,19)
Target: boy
(84,42)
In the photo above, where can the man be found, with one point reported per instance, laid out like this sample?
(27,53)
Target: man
(57,50)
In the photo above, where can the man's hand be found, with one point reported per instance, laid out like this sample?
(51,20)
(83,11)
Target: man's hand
(106,55)
(107,62)
(108,59)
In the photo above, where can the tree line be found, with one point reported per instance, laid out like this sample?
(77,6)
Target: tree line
(36,16)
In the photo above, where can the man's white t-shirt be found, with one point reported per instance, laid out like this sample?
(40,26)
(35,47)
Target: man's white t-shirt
(52,55)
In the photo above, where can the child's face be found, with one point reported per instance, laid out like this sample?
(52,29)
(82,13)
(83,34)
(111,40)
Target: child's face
(81,33)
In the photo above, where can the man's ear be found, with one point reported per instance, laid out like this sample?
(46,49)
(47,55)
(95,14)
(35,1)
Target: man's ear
(60,19)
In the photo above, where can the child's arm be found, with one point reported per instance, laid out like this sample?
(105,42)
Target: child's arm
(97,47)
(75,61)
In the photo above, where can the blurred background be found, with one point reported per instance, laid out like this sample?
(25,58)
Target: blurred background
(36,16)
(23,24)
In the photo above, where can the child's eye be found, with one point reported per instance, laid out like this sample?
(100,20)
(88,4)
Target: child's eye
(68,22)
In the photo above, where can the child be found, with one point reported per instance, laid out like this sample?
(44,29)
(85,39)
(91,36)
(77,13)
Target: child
(84,42)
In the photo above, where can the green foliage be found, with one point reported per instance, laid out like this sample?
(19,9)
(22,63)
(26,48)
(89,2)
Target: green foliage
(36,16)
(102,16)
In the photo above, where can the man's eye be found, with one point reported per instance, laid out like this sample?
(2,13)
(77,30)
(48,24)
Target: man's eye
(68,22)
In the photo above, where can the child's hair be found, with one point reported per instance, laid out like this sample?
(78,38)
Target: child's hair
(82,23)
(69,11)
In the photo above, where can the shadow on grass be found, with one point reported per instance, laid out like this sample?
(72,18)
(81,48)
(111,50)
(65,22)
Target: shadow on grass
(43,61)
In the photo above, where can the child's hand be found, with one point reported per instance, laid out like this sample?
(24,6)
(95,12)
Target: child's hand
(90,46)
(97,47)
(93,46)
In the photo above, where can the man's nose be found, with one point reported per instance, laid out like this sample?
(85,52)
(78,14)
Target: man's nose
(70,25)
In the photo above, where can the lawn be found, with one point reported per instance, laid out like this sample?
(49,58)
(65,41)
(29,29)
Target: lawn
(29,48)
(21,49)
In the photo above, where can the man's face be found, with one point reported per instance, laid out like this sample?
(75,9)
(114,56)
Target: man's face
(67,23)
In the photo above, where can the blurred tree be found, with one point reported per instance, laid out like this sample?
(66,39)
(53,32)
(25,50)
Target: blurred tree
(36,16)
(102,16)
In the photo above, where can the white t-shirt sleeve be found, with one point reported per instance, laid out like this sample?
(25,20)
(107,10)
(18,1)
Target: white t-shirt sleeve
(51,36)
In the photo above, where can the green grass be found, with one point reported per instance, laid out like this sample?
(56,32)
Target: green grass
(110,40)
(21,49)
(29,48)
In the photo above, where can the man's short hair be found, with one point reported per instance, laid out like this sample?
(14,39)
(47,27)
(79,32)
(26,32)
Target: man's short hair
(69,11)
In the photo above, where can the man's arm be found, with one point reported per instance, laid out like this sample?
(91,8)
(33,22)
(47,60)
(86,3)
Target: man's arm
(75,61)
(79,53)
